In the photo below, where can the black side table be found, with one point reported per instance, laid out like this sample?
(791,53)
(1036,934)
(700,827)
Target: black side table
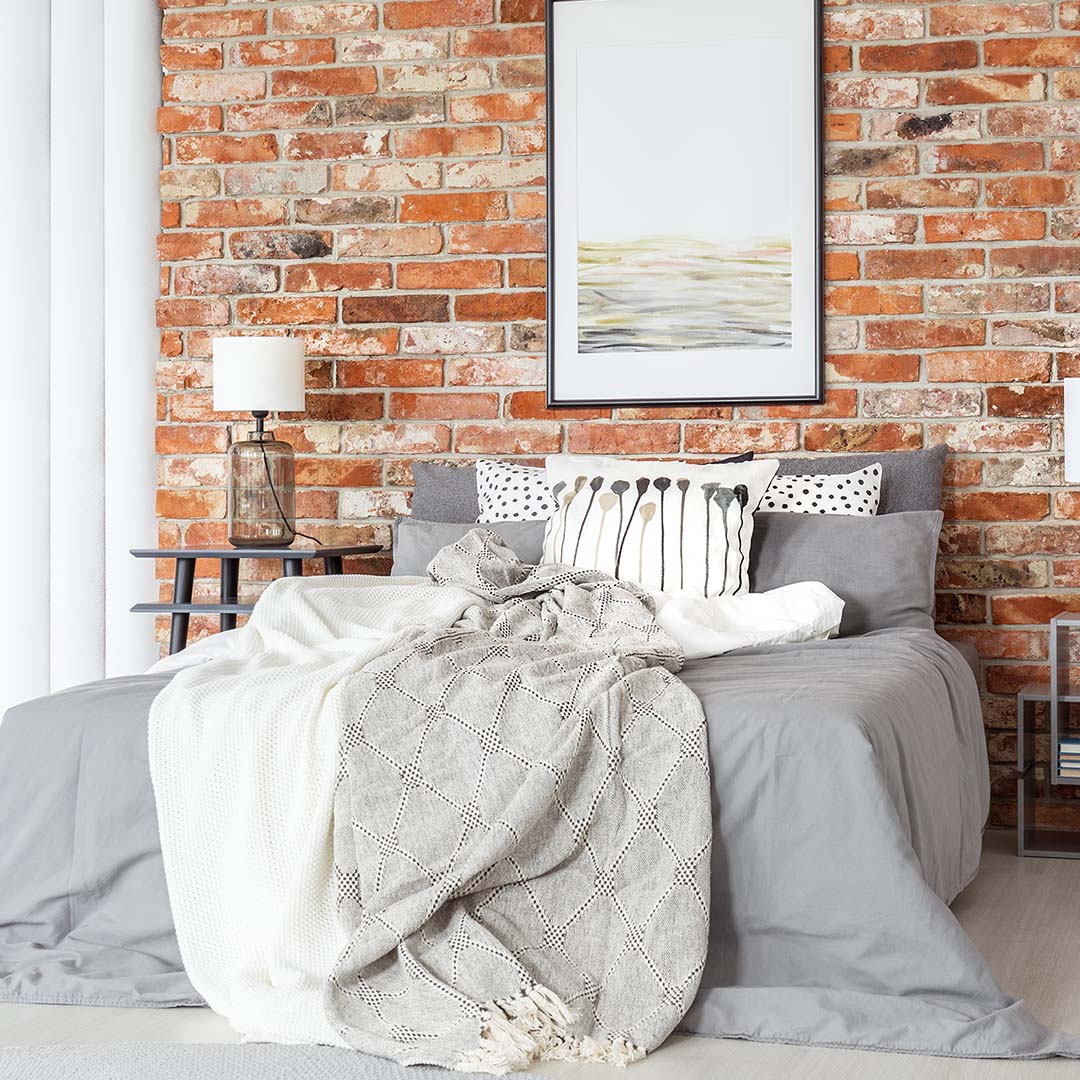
(181,608)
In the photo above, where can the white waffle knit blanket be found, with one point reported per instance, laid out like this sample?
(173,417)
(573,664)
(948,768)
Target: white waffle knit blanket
(244,755)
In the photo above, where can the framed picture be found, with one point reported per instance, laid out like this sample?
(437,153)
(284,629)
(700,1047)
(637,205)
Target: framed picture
(684,202)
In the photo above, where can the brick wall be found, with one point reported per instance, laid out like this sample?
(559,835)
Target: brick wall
(370,176)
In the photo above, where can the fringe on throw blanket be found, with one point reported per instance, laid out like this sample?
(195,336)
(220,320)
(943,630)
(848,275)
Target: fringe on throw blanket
(534,1026)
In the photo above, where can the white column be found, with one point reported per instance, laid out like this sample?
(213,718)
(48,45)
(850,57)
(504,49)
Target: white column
(132,92)
(24,359)
(76,333)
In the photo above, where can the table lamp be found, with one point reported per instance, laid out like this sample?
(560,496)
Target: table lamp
(260,375)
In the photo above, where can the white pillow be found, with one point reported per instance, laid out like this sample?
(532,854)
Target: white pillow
(509,492)
(670,526)
(857,493)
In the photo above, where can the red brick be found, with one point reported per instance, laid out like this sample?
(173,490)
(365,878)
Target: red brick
(1032,610)
(189,245)
(338,145)
(396,439)
(335,277)
(505,41)
(837,403)
(415,14)
(532,405)
(879,92)
(922,402)
(451,406)
(447,141)
(1032,52)
(985,157)
(286,310)
(872,367)
(325,81)
(216,279)
(990,436)
(841,265)
(278,115)
(281,244)
(962,472)
(1036,120)
(463,206)
(931,56)
(507,438)
(485,108)
(504,239)
(915,264)
(322,18)
(988,226)
(985,18)
(737,438)
(225,149)
(1067,296)
(886,24)
(890,194)
(456,274)
(390,241)
(1024,401)
(522,11)
(500,307)
(869,438)
(338,472)
(214,86)
(874,300)
(379,372)
(1035,261)
(924,333)
(595,437)
(871,161)
(842,127)
(218,24)
(1069,15)
(996,506)
(400,308)
(234,213)
(176,118)
(1065,154)
(1067,85)
(979,298)
(282,52)
(496,371)
(192,313)
(188,503)
(197,439)
(1030,191)
(980,89)
(191,57)
(526,273)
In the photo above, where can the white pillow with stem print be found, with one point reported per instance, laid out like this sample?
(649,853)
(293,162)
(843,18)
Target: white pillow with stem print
(670,526)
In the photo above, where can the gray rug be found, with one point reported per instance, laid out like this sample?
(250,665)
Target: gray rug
(174,1061)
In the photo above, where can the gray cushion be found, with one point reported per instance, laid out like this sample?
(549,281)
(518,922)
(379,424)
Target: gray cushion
(882,567)
(910,479)
(416,543)
(445,492)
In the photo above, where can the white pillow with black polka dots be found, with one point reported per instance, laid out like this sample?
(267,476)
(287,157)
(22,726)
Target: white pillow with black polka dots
(854,494)
(512,492)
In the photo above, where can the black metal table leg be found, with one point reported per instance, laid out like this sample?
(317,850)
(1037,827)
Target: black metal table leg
(334,564)
(230,590)
(293,567)
(183,584)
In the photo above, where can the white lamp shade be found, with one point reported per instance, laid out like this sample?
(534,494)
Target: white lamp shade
(258,374)
(1072,431)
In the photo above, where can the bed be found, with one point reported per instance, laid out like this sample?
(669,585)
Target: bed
(849,793)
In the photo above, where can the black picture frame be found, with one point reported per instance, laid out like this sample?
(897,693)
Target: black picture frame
(818,179)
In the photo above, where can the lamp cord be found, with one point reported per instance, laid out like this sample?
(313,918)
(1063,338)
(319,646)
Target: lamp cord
(273,491)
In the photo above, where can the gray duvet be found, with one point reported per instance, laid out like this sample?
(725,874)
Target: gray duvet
(849,795)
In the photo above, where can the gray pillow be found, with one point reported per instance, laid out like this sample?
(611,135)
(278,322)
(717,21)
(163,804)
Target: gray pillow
(416,543)
(445,492)
(910,479)
(881,567)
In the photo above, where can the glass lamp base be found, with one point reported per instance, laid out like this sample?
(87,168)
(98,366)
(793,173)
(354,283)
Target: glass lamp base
(262,498)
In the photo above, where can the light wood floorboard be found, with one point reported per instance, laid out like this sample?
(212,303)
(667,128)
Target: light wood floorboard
(1024,915)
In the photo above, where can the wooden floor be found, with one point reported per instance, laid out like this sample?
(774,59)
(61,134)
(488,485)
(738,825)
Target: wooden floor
(1024,914)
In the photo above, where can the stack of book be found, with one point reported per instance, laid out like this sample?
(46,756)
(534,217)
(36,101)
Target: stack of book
(1069,758)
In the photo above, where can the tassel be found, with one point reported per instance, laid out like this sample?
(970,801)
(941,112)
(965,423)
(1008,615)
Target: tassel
(535,1026)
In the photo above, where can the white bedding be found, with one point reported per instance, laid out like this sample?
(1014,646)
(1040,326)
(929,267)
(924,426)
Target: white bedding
(244,795)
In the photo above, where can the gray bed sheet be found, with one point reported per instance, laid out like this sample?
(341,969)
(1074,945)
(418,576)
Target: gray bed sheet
(850,787)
